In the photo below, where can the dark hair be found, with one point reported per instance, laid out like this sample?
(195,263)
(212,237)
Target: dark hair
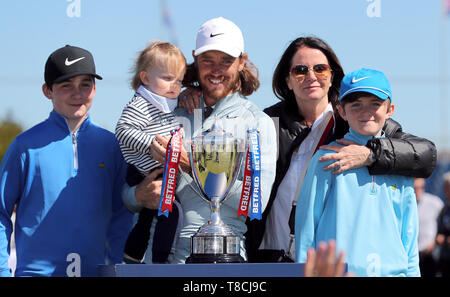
(247,84)
(279,85)
(352,97)
(50,85)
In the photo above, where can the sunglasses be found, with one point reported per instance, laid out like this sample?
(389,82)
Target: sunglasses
(320,70)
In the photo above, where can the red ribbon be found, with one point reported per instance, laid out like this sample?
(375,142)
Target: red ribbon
(173,152)
(246,187)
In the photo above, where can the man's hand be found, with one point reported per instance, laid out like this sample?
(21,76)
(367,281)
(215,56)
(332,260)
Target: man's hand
(349,156)
(189,99)
(148,191)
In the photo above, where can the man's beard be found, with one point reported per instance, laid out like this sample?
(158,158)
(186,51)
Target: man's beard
(229,87)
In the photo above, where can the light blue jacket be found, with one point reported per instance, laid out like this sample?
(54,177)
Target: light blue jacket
(236,115)
(372,218)
(67,190)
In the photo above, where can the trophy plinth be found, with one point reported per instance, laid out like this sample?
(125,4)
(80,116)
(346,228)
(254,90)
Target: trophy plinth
(216,158)
(215,242)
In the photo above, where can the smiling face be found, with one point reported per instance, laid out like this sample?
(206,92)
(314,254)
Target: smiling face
(218,74)
(311,88)
(72,98)
(367,114)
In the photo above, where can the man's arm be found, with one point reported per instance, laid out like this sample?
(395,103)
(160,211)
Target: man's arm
(146,194)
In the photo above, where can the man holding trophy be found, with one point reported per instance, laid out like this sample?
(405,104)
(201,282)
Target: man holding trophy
(229,139)
(224,74)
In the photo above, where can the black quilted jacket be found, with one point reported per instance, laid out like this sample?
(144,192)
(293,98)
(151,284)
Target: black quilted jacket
(399,153)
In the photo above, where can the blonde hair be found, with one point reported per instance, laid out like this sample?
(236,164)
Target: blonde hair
(158,53)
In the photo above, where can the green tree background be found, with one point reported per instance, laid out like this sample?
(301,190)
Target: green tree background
(9,129)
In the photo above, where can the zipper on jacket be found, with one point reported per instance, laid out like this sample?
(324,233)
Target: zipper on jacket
(74,145)
(75,150)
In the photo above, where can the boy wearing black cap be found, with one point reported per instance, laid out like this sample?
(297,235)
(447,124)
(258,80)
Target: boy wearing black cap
(372,218)
(65,175)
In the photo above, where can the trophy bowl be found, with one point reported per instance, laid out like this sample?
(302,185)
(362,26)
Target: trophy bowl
(216,158)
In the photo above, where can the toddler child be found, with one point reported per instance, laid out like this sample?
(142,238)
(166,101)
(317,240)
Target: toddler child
(158,74)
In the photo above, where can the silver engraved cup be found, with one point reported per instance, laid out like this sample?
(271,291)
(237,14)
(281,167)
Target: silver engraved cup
(216,157)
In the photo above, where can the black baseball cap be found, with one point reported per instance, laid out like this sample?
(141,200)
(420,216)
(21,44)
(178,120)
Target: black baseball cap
(67,62)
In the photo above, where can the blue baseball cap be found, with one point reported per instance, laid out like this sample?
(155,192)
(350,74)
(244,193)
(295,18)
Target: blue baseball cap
(368,81)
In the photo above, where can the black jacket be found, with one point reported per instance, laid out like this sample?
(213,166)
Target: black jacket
(399,153)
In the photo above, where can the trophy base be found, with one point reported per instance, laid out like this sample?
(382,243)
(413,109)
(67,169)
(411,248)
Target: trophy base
(214,258)
(215,243)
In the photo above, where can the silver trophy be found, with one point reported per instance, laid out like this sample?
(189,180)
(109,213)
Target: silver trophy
(216,157)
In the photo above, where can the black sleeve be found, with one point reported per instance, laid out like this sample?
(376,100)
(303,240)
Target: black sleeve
(401,153)
(133,177)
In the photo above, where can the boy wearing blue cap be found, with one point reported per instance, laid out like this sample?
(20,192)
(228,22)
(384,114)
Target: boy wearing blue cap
(372,218)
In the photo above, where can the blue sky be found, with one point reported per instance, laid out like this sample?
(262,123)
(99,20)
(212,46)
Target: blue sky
(402,39)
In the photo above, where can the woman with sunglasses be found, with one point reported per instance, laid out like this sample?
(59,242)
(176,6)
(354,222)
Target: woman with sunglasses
(307,81)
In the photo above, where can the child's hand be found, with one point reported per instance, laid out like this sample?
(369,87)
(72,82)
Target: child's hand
(324,263)
(158,151)
(189,99)
(158,148)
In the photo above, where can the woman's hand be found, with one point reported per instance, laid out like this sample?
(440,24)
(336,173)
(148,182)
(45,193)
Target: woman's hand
(350,155)
(189,99)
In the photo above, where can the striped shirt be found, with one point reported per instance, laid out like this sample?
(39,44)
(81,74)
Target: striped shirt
(138,125)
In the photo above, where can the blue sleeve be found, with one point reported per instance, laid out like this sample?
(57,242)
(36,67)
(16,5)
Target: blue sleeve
(410,230)
(11,186)
(121,220)
(129,198)
(310,205)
